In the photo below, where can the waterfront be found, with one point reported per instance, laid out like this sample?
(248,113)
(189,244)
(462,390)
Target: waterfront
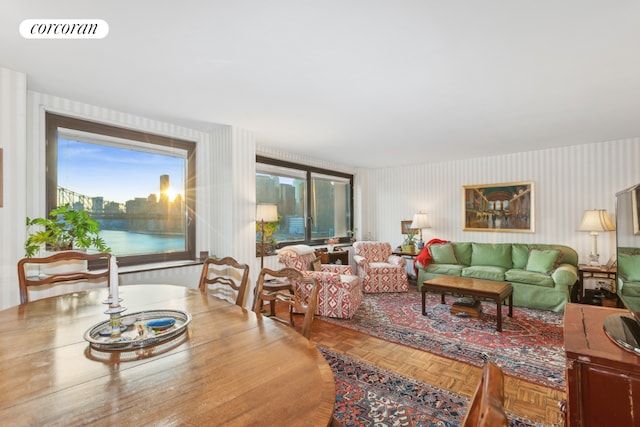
(128,243)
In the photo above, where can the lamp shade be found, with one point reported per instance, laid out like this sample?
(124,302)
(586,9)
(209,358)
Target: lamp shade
(596,220)
(420,221)
(266,212)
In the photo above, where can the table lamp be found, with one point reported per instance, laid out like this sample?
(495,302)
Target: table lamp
(594,221)
(265,212)
(420,221)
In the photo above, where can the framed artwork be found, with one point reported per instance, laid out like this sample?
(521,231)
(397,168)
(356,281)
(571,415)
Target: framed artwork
(406,227)
(507,207)
(635,200)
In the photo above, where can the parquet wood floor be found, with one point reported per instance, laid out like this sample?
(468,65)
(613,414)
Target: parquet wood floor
(537,403)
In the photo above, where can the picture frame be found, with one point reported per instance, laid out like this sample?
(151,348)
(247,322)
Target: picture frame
(635,201)
(504,207)
(406,227)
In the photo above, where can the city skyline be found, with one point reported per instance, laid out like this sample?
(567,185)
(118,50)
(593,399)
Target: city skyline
(88,169)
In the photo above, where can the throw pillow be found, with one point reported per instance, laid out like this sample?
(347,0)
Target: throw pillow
(542,260)
(491,254)
(443,254)
(629,267)
(316,264)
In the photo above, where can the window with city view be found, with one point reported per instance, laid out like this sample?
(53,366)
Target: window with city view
(313,204)
(138,186)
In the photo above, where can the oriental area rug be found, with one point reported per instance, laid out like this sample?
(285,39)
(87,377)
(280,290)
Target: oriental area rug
(367,395)
(530,347)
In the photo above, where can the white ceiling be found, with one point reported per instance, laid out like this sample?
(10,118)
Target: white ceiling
(369,83)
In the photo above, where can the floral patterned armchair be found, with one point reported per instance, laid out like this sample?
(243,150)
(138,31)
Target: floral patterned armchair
(340,292)
(379,269)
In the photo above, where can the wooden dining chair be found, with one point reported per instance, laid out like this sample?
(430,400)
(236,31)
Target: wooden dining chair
(66,267)
(225,278)
(291,288)
(487,405)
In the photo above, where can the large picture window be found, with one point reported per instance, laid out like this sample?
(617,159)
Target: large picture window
(138,186)
(313,204)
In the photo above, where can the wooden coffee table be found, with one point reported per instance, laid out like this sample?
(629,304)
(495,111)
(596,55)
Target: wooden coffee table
(467,286)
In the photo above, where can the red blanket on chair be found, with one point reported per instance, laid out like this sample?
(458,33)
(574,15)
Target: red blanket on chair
(424,257)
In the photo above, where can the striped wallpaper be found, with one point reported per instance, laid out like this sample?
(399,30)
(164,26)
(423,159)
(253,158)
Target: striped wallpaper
(567,181)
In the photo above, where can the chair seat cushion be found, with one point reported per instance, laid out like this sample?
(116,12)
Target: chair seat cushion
(484,272)
(383,266)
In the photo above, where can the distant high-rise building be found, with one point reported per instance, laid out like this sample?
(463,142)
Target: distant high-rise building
(164,184)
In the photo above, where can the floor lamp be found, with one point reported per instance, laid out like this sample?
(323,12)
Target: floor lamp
(265,212)
(594,221)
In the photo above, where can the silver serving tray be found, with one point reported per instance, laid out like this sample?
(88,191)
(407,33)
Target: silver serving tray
(98,337)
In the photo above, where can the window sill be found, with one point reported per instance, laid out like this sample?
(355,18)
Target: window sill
(157,266)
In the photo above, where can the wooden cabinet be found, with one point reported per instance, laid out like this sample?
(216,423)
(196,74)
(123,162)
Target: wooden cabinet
(334,257)
(603,380)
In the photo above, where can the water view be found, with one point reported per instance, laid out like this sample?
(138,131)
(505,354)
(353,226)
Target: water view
(128,243)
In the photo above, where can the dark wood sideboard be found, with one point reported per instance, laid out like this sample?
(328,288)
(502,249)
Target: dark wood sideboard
(603,380)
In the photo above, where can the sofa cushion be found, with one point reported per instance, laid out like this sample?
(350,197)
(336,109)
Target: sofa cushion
(463,252)
(448,269)
(629,267)
(443,254)
(542,260)
(530,277)
(631,289)
(519,255)
(492,254)
(486,272)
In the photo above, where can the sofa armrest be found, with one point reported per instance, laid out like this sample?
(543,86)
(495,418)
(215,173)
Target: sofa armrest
(397,260)
(565,275)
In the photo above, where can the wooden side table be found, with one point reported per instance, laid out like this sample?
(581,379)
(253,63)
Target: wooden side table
(586,271)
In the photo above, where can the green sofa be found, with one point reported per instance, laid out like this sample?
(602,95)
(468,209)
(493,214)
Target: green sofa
(628,286)
(541,275)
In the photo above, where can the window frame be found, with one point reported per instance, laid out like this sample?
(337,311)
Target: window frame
(54,121)
(309,170)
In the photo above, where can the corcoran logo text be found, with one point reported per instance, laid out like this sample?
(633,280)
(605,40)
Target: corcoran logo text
(64,29)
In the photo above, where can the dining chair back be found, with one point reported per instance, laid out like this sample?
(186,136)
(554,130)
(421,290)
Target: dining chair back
(486,408)
(62,268)
(225,278)
(291,288)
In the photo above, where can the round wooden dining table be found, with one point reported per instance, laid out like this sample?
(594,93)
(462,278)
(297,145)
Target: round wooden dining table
(230,367)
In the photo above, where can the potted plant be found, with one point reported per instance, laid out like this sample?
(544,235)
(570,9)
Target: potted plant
(267,243)
(409,244)
(64,229)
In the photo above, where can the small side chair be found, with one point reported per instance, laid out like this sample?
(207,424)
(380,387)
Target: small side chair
(61,268)
(226,279)
(291,288)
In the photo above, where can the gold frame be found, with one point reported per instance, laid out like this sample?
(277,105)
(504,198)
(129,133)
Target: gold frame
(512,213)
(406,227)
(635,199)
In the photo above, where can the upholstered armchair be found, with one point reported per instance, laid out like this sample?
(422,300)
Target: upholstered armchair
(378,269)
(340,292)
